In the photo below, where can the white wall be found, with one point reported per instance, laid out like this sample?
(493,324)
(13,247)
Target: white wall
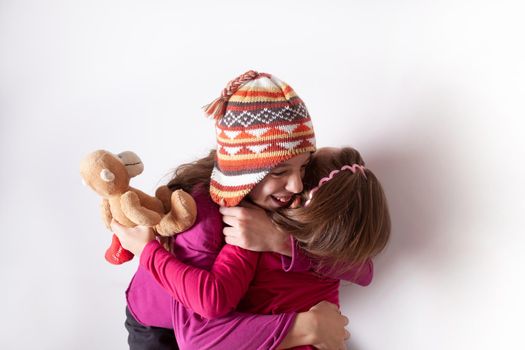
(431,92)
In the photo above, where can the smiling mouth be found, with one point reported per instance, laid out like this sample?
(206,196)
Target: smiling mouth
(283,201)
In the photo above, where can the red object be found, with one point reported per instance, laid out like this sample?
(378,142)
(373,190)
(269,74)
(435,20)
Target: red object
(117,255)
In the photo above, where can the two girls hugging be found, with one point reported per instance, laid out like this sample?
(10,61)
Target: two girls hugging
(279,225)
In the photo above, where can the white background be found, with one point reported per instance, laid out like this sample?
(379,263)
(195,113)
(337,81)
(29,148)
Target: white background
(431,92)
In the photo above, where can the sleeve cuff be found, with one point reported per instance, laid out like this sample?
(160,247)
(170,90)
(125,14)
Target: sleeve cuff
(147,252)
(297,262)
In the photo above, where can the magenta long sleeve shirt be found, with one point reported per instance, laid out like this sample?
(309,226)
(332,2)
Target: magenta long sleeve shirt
(213,284)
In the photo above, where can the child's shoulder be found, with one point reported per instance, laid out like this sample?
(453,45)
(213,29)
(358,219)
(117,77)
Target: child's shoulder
(207,210)
(201,194)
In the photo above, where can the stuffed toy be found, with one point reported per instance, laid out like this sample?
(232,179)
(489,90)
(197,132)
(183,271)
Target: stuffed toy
(109,175)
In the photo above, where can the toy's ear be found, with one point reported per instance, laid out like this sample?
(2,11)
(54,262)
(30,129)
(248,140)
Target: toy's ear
(132,162)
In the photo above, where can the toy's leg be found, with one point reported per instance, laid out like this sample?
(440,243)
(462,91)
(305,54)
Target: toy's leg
(181,217)
(163,193)
(117,255)
(105,211)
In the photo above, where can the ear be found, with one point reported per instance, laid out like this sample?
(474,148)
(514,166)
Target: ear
(132,162)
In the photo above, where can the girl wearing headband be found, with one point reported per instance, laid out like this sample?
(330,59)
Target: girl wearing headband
(265,139)
(345,219)
(338,225)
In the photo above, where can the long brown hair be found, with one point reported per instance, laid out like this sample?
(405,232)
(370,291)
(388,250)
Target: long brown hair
(347,220)
(188,175)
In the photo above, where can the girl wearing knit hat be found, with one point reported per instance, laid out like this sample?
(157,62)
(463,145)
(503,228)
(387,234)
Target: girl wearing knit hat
(265,139)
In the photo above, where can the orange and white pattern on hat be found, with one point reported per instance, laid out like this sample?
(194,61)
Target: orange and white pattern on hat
(265,123)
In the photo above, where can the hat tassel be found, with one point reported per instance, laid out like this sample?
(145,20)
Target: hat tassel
(216,108)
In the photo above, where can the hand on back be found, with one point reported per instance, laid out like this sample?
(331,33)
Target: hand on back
(328,328)
(322,326)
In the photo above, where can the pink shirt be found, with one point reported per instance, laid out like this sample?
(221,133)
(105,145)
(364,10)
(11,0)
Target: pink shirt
(255,282)
(239,279)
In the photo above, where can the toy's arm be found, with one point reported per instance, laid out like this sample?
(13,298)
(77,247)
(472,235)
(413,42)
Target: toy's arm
(149,202)
(131,207)
(106,213)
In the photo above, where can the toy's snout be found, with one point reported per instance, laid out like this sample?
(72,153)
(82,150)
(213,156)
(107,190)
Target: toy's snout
(132,162)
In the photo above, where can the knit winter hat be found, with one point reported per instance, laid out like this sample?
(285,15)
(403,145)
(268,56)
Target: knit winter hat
(260,122)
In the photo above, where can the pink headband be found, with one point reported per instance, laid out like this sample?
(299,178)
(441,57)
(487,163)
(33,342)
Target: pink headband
(353,168)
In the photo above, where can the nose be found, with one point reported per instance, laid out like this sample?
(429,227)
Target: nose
(295,182)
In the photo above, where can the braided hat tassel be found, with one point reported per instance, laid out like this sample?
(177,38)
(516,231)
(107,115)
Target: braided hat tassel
(217,107)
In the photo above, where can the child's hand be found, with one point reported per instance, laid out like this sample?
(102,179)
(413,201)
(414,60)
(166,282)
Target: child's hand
(322,326)
(251,228)
(328,328)
(133,239)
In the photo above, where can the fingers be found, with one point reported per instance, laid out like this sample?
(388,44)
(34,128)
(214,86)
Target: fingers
(345,320)
(116,228)
(230,220)
(230,211)
(241,212)
(328,305)
(347,335)
(232,241)
(229,232)
(115,225)
(234,216)
(232,237)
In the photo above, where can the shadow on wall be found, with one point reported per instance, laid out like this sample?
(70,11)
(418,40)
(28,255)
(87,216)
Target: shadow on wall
(419,166)
(422,178)
(416,191)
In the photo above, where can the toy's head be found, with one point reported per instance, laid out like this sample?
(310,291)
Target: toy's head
(108,174)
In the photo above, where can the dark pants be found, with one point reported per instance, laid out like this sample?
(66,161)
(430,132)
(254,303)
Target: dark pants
(149,338)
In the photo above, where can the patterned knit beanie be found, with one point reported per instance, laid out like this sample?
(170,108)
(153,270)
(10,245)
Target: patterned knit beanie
(260,122)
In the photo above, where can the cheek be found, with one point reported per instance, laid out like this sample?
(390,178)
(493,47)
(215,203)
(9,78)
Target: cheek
(261,192)
(272,186)
(257,194)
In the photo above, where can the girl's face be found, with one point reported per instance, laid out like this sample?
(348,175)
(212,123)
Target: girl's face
(278,188)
